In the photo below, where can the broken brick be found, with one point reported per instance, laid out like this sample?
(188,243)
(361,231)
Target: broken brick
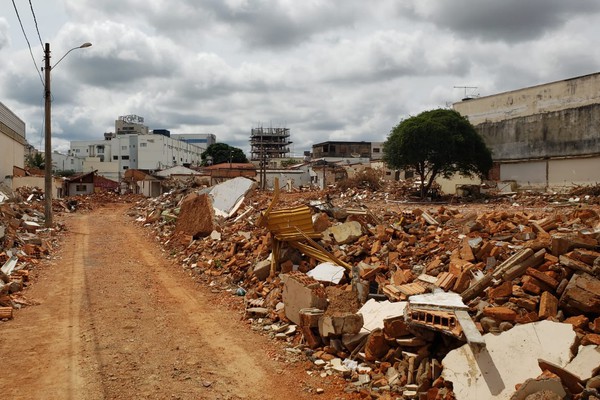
(500,313)
(548,305)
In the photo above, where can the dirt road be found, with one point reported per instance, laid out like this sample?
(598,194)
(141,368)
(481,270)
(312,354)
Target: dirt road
(117,320)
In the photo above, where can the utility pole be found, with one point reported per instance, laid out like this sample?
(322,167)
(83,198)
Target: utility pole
(48,132)
(47,138)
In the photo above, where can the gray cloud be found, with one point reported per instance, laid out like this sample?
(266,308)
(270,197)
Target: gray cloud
(326,70)
(492,20)
(4,40)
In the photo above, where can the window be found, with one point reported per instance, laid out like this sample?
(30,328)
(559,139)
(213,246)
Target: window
(80,188)
(115,157)
(72,161)
(124,157)
(376,150)
(125,167)
(123,147)
(76,150)
(143,144)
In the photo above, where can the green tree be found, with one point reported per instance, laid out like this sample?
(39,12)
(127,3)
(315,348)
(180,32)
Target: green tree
(436,143)
(223,153)
(36,160)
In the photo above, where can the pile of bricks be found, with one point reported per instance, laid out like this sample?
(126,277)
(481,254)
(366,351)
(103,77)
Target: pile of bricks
(23,242)
(509,265)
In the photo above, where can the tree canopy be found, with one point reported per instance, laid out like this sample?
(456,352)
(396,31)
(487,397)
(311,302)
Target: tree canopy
(36,160)
(223,153)
(436,143)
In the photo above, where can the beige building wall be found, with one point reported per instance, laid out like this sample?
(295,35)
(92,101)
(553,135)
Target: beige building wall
(555,96)
(529,174)
(556,175)
(578,171)
(12,152)
(12,142)
(109,170)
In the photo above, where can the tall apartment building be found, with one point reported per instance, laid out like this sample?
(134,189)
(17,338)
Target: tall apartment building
(12,142)
(269,143)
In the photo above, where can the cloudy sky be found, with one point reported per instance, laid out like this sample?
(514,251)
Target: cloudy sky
(327,70)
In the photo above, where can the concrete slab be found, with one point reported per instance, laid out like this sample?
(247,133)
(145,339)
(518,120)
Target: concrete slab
(327,272)
(229,195)
(547,385)
(374,312)
(439,298)
(586,363)
(508,359)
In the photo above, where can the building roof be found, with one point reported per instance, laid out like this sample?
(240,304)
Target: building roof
(177,170)
(81,177)
(231,166)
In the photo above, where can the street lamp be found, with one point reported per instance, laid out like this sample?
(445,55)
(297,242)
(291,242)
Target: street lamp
(48,132)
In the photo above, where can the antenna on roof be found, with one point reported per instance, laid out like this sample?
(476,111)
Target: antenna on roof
(471,89)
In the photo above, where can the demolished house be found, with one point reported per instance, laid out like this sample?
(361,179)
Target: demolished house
(436,303)
(413,301)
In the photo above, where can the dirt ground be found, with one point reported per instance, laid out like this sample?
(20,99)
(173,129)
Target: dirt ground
(118,320)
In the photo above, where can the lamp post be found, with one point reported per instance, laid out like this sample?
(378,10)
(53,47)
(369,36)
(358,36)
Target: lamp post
(48,131)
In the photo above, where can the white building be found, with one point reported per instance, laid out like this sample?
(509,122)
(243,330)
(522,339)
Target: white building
(12,142)
(135,150)
(199,139)
(66,162)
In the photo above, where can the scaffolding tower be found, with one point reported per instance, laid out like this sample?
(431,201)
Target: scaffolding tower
(268,143)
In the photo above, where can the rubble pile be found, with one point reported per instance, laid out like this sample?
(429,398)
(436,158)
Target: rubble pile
(398,298)
(408,286)
(23,242)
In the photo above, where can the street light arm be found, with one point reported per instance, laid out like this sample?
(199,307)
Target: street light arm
(86,44)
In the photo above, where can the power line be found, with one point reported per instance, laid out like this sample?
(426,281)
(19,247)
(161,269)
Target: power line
(36,24)
(28,44)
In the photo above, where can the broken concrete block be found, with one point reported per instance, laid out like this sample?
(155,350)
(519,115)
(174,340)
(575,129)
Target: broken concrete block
(586,363)
(569,380)
(301,291)
(375,312)
(327,272)
(336,325)
(347,232)
(508,359)
(549,387)
(262,269)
